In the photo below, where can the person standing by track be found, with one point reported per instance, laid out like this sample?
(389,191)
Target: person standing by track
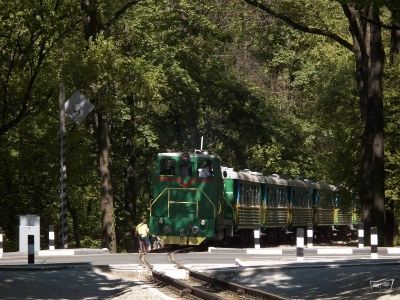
(142,231)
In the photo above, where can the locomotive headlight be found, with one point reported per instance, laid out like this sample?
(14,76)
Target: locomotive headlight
(167,229)
(195,230)
(161,221)
(203,222)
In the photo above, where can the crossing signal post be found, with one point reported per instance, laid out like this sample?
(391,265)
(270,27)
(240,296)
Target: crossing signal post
(77,108)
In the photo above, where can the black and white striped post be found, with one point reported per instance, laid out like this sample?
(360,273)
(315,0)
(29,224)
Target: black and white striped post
(300,244)
(63,173)
(51,237)
(1,242)
(310,235)
(256,236)
(361,235)
(374,242)
(31,249)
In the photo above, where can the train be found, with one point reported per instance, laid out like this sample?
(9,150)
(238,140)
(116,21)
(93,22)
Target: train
(195,207)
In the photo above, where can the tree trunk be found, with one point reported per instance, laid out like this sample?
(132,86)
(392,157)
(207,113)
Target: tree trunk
(106,188)
(75,222)
(370,58)
(394,40)
(376,73)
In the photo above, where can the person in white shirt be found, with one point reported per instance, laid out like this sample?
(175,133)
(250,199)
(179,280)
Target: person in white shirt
(206,172)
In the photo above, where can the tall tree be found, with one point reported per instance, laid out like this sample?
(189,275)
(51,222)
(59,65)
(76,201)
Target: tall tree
(365,28)
(98,16)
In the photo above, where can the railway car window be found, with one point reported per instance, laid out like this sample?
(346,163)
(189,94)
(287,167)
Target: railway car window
(248,195)
(325,200)
(252,196)
(167,167)
(256,196)
(242,194)
(274,196)
(271,197)
(281,197)
(307,199)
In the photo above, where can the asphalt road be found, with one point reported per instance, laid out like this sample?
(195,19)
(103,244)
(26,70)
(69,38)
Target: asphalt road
(317,277)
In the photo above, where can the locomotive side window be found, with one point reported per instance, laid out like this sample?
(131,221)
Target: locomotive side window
(201,164)
(167,167)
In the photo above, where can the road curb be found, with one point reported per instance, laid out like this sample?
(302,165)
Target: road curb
(45,267)
(310,251)
(58,252)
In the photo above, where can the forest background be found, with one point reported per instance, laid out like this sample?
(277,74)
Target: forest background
(272,86)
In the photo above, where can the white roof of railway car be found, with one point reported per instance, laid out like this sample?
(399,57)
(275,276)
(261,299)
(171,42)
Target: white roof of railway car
(201,155)
(243,175)
(302,183)
(253,176)
(326,186)
(276,180)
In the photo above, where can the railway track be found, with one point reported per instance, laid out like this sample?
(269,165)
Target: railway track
(203,286)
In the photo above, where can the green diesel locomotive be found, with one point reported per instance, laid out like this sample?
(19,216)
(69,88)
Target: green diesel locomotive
(197,201)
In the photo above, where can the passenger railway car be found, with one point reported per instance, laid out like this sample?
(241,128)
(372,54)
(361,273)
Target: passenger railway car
(188,209)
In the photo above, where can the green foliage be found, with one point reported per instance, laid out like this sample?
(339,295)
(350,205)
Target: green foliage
(264,96)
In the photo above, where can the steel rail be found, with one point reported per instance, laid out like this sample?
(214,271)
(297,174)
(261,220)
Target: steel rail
(233,287)
(178,284)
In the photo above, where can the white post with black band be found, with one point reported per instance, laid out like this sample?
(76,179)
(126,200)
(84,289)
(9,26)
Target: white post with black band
(256,236)
(361,235)
(310,235)
(374,242)
(300,244)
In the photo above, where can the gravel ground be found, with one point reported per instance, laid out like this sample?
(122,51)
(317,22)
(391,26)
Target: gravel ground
(74,283)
